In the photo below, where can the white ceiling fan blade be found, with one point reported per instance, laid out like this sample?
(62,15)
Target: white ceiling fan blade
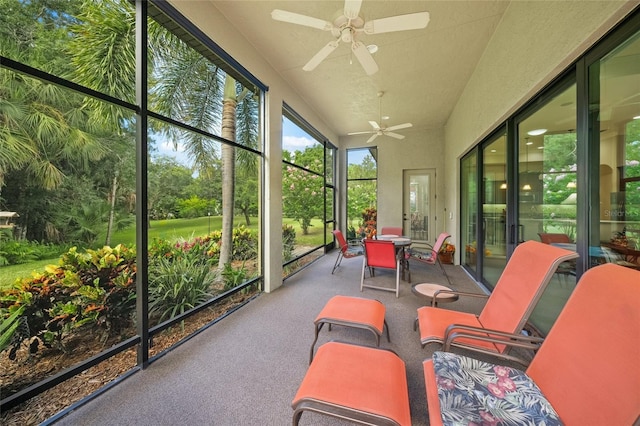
(361,133)
(399,126)
(296,18)
(365,58)
(412,21)
(321,55)
(375,125)
(375,135)
(393,135)
(352,8)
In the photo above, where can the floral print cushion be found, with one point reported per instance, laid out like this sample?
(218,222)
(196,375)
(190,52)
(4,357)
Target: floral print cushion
(418,254)
(474,392)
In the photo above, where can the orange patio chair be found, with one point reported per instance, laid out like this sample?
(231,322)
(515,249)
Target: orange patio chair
(345,251)
(430,257)
(391,230)
(585,373)
(550,238)
(507,309)
(380,254)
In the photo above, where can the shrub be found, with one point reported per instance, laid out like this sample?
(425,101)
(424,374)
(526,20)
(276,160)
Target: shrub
(13,252)
(245,244)
(233,277)
(177,285)
(96,287)
(288,242)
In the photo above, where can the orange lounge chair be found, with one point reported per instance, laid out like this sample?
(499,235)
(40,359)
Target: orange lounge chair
(346,251)
(507,309)
(585,373)
(358,383)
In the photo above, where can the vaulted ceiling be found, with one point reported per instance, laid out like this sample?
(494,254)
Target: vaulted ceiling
(421,72)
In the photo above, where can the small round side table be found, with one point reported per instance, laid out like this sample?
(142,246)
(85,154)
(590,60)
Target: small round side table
(428,291)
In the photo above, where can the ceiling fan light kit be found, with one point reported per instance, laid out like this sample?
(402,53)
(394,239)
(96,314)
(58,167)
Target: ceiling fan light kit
(346,29)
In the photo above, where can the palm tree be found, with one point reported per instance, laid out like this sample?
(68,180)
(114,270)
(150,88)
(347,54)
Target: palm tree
(186,86)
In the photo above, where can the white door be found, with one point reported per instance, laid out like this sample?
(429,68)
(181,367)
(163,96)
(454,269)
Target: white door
(419,202)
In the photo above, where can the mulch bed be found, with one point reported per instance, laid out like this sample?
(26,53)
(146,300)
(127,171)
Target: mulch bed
(29,369)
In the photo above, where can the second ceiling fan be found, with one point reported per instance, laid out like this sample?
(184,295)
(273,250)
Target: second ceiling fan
(347,27)
(379,129)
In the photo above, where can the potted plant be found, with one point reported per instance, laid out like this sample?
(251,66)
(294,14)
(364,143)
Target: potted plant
(446,253)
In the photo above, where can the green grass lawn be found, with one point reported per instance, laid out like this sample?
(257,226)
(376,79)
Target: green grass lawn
(170,229)
(8,274)
(173,229)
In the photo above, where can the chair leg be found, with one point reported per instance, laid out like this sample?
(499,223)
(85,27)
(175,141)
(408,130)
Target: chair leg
(338,260)
(398,279)
(364,266)
(444,271)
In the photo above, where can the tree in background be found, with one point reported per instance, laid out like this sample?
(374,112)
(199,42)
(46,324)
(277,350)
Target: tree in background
(361,190)
(302,190)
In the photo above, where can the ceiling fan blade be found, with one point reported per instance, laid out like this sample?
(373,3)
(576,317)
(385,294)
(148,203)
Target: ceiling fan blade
(394,135)
(352,8)
(321,55)
(375,135)
(375,125)
(296,18)
(399,126)
(361,133)
(365,58)
(412,21)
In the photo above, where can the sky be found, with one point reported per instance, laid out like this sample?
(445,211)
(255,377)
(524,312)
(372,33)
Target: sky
(293,139)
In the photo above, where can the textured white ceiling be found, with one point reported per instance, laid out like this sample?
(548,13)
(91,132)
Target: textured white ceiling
(422,72)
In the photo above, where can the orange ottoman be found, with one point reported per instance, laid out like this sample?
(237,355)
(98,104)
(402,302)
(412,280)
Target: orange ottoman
(363,384)
(354,312)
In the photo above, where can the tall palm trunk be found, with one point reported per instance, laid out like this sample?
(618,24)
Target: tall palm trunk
(228,169)
(112,208)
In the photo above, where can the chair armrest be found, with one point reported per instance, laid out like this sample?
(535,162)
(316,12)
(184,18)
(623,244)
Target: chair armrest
(434,300)
(459,331)
(458,293)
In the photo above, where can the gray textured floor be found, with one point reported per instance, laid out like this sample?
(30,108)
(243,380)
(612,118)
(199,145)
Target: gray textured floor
(245,369)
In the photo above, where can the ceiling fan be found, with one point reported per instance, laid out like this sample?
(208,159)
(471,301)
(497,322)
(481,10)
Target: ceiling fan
(346,28)
(380,130)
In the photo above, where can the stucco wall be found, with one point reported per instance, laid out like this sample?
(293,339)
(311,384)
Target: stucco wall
(419,150)
(533,43)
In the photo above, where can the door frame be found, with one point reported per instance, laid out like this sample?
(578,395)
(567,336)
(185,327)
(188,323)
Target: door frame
(431,217)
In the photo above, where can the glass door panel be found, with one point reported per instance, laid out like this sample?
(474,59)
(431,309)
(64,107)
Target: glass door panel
(419,202)
(614,97)
(547,192)
(469,210)
(494,210)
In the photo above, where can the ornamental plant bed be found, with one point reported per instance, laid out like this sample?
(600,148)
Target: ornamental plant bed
(29,369)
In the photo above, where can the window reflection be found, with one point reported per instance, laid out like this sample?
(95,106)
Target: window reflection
(615,97)
(547,187)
